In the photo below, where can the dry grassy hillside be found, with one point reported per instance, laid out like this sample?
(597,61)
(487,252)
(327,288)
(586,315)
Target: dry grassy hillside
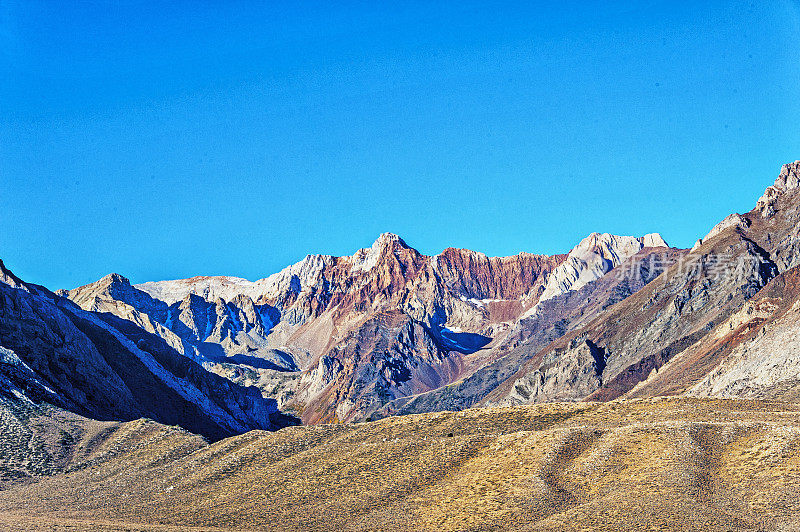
(659,464)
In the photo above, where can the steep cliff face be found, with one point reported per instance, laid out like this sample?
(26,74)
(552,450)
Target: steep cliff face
(567,374)
(106,367)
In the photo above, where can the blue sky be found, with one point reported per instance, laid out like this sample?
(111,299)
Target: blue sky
(234,138)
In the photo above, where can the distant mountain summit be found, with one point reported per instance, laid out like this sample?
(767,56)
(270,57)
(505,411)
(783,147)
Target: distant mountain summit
(593,257)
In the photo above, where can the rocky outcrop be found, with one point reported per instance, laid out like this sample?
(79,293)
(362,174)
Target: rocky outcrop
(732,220)
(568,374)
(390,355)
(206,330)
(479,278)
(19,383)
(788,179)
(767,365)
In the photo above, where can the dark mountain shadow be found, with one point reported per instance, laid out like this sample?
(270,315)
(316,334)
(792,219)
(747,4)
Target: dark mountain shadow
(210,351)
(222,391)
(282,420)
(463,342)
(270,316)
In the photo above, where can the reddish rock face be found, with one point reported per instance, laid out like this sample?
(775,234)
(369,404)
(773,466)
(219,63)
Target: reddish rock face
(501,278)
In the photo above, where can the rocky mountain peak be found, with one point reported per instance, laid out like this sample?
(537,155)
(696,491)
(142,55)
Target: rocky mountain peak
(614,247)
(115,279)
(788,179)
(732,220)
(386,240)
(366,258)
(209,287)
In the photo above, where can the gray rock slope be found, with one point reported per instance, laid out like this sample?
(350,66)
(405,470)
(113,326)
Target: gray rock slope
(672,336)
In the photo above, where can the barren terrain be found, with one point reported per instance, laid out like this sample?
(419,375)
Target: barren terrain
(657,464)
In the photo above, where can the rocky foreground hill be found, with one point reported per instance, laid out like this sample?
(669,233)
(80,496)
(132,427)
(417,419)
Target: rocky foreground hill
(533,377)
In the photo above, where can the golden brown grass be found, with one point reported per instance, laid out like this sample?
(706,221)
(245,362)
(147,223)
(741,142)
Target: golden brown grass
(656,464)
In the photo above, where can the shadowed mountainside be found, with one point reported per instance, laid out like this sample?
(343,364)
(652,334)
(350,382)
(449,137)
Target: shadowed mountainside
(108,368)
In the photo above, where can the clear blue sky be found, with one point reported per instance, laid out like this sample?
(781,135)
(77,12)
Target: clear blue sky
(234,138)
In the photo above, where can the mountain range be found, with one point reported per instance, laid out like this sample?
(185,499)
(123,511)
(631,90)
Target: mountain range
(335,339)
(389,332)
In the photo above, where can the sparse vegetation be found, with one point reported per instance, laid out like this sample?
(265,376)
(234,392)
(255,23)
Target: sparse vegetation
(670,463)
